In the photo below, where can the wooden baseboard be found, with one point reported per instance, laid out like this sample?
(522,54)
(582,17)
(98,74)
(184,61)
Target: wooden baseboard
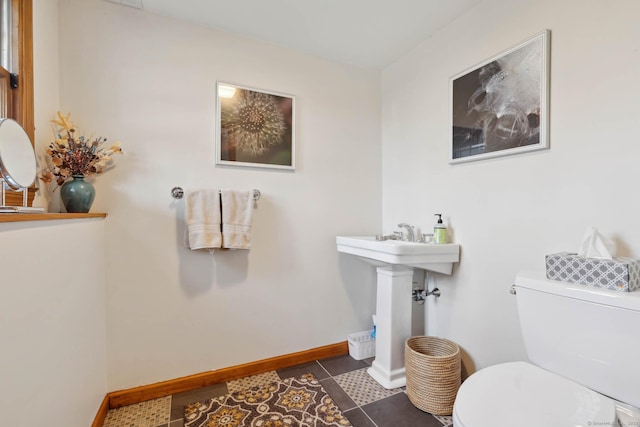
(165,388)
(98,421)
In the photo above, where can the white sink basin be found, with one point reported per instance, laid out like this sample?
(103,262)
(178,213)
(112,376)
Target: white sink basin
(427,256)
(396,260)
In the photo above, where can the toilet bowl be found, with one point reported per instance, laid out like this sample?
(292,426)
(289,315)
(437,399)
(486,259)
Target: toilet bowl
(582,346)
(521,394)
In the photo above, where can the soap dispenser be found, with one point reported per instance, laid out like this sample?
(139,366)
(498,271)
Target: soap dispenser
(439,231)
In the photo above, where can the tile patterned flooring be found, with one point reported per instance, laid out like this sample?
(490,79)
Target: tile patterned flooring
(362,400)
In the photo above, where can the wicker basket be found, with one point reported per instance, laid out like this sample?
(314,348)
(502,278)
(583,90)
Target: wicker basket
(433,373)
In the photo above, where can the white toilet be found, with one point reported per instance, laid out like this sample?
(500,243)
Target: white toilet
(583,345)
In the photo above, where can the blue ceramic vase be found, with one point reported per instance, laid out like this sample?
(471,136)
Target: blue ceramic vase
(77,195)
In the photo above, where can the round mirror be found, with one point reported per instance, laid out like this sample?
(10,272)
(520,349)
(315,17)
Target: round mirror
(17,158)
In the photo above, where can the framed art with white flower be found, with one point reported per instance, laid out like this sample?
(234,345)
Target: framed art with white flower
(255,128)
(500,107)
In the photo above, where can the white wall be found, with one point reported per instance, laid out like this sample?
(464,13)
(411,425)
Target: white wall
(508,213)
(52,292)
(149,82)
(52,317)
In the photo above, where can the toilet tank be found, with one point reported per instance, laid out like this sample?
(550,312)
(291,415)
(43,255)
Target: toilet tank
(589,335)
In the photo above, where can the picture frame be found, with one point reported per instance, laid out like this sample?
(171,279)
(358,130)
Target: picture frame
(254,127)
(500,106)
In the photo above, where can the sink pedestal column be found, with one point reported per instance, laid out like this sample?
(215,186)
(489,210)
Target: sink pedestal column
(393,325)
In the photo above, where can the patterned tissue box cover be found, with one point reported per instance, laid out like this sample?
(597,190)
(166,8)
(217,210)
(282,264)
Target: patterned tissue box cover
(620,274)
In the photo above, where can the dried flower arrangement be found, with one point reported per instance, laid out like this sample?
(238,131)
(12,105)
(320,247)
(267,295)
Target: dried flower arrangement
(70,155)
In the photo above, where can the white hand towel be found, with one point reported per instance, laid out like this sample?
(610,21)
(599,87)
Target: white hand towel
(203,219)
(237,209)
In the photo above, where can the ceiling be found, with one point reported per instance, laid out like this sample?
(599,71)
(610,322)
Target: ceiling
(366,33)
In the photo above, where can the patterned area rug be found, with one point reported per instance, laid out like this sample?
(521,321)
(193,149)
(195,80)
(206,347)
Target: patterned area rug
(293,402)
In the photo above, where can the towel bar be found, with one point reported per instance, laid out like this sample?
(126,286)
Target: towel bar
(178,193)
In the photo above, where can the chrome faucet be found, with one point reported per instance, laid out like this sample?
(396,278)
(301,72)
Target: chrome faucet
(411,234)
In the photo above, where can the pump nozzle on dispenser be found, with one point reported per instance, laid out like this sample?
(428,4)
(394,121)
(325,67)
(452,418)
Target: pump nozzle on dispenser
(439,231)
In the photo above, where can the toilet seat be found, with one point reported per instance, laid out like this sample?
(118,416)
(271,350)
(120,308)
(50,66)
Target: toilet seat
(521,394)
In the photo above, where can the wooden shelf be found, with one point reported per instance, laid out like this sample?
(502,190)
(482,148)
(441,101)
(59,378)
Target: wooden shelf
(19,217)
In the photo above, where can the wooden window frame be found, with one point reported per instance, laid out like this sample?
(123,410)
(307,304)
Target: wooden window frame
(22,103)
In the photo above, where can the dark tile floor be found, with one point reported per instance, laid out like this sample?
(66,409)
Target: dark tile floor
(362,400)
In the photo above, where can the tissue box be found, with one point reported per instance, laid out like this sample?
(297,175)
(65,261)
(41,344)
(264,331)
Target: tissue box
(620,274)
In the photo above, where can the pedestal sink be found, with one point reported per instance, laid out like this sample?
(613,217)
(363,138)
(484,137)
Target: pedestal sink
(395,261)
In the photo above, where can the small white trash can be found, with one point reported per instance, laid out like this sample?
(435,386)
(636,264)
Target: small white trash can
(361,345)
